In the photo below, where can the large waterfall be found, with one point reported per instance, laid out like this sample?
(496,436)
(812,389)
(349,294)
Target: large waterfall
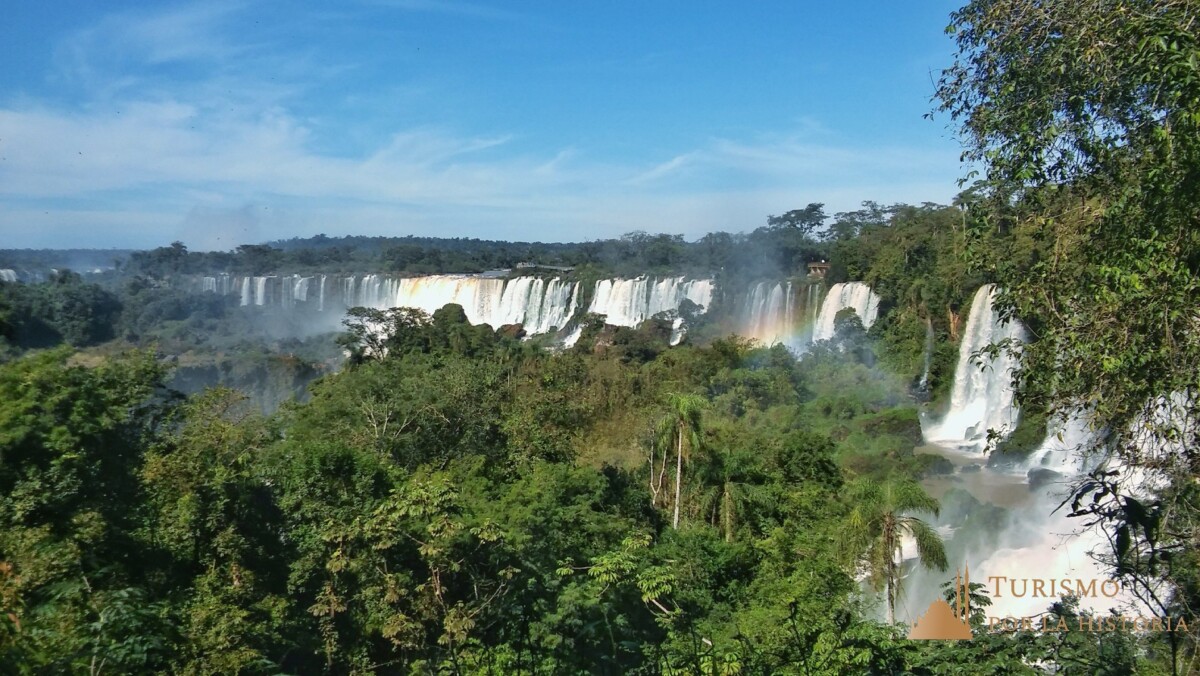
(1002,519)
(770,316)
(780,313)
(539,304)
(855,295)
(7,275)
(982,397)
(629,302)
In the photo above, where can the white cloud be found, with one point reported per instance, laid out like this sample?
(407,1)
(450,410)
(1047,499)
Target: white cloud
(226,156)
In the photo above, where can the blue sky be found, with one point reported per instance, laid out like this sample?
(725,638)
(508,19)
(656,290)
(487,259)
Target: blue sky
(220,123)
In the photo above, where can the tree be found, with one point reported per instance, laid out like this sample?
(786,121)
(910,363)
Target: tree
(876,528)
(806,220)
(375,334)
(680,428)
(1086,120)
(732,483)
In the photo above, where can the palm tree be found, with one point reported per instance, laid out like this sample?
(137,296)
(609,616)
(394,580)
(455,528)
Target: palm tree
(681,427)
(731,485)
(878,522)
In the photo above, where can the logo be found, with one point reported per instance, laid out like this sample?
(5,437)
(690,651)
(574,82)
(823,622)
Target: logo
(940,621)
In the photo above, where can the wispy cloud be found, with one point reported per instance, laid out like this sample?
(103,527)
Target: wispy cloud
(186,33)
(227,154)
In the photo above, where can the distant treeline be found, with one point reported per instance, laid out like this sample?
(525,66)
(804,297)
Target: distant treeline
(782,247)
(44,260)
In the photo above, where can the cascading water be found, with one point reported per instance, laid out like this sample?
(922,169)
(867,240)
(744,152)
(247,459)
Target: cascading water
(1003,521)
(855,295)
(814,303)
(771,313)
(537,304)
(260,290)
(7,275)
(768,313)
(629,302)
(287,293)
(540,305)
(923,384)
(982,396)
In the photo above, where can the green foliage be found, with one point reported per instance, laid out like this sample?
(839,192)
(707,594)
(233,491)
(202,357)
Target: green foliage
(1086,120)
(63,310)
(879,519)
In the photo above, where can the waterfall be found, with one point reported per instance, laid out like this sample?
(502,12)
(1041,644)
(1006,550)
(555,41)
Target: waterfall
(813,303)
(540,305)
(768,316)
(855,295)
(223,284)
(260,290)
(1010,524)
(1058,452)
(928,355)
(982,396)
(301,291)
(8,275)
(537,304)
(208,283)
(629,302)
(287,292)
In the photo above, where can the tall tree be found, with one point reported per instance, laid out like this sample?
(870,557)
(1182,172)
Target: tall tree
(1086,119)
(806,220)
(880,519)
(680,428)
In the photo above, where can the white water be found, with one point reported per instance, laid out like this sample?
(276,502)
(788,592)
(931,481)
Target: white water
(769,313)
(7,275)
(923,384)
(629,302)
(982,397)
(260,290)
(813,303)
(1031,538)
(855,295)
(301,290)
(772,314)
(540,305)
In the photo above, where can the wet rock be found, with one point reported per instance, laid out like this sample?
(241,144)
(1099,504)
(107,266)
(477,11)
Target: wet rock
(1041,476)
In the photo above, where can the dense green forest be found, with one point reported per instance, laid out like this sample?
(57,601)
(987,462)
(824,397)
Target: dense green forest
(417,494)
(783,245)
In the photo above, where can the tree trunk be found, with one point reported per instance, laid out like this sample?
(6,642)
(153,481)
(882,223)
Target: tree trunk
(891,602)
(678,479)
(653,490)
(889,535)
(727,507)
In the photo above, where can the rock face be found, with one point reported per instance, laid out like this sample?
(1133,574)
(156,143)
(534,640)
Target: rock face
(940,623)
(1042,477)
(512,331)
